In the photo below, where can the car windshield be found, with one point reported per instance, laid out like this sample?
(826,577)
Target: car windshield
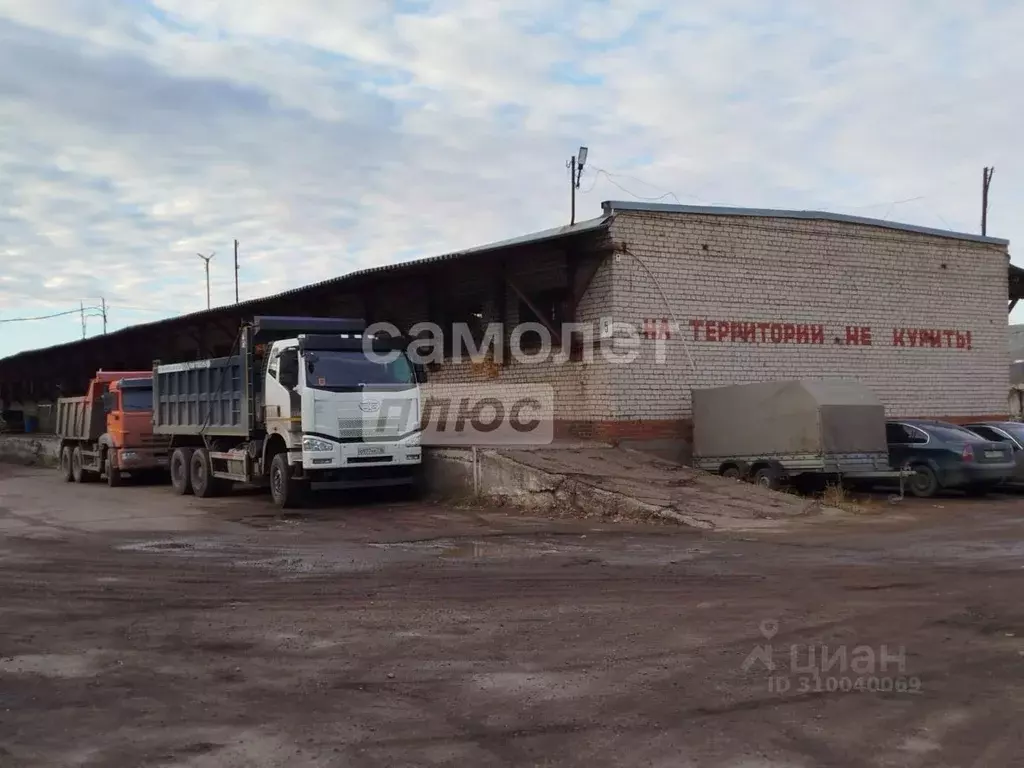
(337,371)
(954,434)
(1014,429)
(137,399)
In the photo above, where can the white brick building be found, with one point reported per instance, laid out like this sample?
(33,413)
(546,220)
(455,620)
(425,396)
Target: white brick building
(740,295)
(727,295)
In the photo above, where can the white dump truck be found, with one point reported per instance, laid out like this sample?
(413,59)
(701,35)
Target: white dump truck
(299,405)
(803,432)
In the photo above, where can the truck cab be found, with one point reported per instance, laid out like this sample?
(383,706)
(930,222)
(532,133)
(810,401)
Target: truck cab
(108,431)
(128,405)
(339,407)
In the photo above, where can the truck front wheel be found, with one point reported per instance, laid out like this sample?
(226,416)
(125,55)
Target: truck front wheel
(114,476)
(180,469)
(286,491)
(204,484)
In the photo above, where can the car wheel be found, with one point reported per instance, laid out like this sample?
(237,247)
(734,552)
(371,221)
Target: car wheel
(180,469)
(65,464)
(923,483)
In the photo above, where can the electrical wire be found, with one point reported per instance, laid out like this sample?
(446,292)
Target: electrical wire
(599,172)
(668,306)
(55,314)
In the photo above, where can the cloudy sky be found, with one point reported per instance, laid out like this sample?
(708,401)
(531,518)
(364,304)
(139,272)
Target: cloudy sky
(330,135)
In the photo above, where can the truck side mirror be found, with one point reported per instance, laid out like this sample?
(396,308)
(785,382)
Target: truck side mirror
(109,400)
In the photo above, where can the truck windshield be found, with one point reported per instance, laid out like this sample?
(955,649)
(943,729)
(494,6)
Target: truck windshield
(337,371)
(137,399)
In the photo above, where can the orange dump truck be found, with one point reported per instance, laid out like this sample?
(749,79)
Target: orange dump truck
(109,430)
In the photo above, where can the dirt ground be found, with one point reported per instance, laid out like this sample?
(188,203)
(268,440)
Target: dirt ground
(142,629)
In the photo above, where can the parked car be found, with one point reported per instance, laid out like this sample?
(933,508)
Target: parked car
(946,456)
(1010,433)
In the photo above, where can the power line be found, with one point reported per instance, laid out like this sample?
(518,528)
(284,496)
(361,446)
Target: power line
(55,314)
(599,172)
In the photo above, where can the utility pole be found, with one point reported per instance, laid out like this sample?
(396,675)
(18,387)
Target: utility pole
(575,166)
(81,311)
(236,271)
(207,260)
(986,180)
(103,311)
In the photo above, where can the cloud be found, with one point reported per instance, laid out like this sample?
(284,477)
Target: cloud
(328,136)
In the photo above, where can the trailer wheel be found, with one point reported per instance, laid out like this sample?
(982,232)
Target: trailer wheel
(731,471)
(180,469)
(286,491)
(768,477)
(65,464)
(204,485)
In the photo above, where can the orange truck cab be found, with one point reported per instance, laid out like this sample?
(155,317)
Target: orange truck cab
(109,430)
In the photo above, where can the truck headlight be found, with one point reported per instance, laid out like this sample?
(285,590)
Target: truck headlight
(315,444)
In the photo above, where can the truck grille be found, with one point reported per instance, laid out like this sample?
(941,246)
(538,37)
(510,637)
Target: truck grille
(369,429)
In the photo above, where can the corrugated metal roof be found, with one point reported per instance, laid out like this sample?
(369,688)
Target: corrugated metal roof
(590,225)
(611,206)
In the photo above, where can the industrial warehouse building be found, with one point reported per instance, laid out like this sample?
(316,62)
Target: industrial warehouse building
(723,295)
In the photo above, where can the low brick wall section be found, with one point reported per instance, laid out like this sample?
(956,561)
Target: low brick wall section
(38,450)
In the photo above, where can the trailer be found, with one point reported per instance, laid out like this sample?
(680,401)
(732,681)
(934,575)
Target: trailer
(108,431)
(304,404)
(803,432)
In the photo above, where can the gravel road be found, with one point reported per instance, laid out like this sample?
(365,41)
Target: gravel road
(141,629)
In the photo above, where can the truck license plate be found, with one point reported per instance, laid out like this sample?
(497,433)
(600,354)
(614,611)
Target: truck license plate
(993,454)
(369,450)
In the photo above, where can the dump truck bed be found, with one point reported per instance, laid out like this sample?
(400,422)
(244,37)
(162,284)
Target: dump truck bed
(788,418)
(205,397)
(78,418)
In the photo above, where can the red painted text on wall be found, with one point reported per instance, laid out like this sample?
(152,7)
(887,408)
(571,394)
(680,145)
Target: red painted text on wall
(763,332)
(931,337)
(757,332)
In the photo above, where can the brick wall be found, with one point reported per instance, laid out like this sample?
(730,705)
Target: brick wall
(582,389)
(801,283)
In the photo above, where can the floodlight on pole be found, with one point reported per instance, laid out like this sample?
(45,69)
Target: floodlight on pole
(575,166)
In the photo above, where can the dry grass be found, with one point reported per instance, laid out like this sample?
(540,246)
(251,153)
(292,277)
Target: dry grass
(838,497)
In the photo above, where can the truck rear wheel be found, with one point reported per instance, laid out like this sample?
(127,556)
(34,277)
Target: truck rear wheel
(286,491)
(180,469)
(65,464)
(78,471)
(204,484)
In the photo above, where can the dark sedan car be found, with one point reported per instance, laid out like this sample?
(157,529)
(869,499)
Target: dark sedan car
(1012,434)
(946,456)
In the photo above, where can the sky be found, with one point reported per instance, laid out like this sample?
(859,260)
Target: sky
(332,135)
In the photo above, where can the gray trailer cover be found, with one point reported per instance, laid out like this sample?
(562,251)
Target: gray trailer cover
(787,418)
